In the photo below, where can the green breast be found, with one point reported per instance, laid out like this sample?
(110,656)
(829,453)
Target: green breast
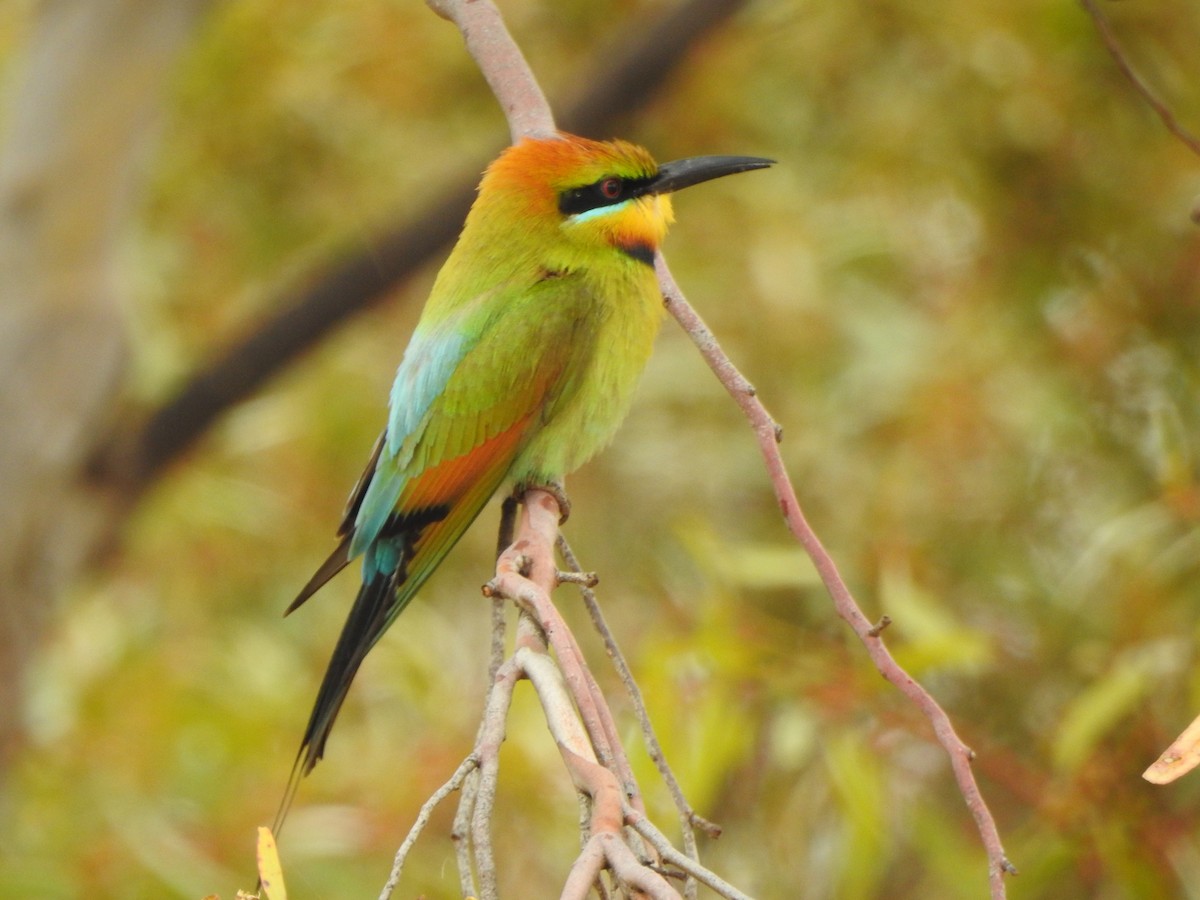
(615,319)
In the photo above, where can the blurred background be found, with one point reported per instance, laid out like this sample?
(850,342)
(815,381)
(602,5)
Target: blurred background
(968,292)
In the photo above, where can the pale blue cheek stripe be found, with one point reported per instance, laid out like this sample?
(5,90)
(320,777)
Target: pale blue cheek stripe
(599,211)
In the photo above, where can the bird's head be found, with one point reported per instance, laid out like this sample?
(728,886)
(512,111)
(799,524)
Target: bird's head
(596,195)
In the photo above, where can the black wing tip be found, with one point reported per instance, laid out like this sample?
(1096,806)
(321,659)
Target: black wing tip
(337,560)
(297,603)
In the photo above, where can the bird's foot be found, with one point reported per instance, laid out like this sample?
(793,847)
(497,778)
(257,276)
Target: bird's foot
(554,489)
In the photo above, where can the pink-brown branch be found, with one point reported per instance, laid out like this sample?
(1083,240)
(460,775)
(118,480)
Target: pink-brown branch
(536,538)
(769,435)
(526,573)
(502,64)
(528,113)
(1160,108)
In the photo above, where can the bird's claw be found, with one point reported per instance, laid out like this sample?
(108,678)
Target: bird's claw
(554,489)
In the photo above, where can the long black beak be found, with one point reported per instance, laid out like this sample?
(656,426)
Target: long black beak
(682,173)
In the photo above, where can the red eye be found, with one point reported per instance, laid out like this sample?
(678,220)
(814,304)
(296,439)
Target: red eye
(611,188)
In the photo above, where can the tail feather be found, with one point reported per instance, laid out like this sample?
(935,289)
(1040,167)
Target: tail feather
(338,560)
(373,609)
(401,554)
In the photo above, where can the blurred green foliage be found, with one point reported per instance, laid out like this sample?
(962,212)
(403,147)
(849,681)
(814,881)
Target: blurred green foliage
(969,294)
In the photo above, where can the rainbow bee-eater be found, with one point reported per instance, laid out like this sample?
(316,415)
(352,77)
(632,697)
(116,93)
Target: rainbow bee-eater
(521,367)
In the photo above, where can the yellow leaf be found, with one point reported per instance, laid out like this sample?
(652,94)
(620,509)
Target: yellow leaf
(270,872)
(1177,760)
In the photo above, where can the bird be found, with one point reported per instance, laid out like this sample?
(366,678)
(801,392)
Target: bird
(521,367)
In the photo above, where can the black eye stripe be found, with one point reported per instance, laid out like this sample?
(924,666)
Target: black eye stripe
(603,192)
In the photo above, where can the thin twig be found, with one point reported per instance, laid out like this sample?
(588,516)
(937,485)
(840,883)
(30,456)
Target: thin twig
(460,833)
(540,532)
(681,861)
(526,573)
(688,817)
(641,880)
(478,817)
(455,782)
(605,827)
(1114,50)
(504,538)
(768,434)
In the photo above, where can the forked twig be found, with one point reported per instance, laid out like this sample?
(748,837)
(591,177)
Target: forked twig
(689,819)
(580,721)
(658,840)
(535,543)
(454,783)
